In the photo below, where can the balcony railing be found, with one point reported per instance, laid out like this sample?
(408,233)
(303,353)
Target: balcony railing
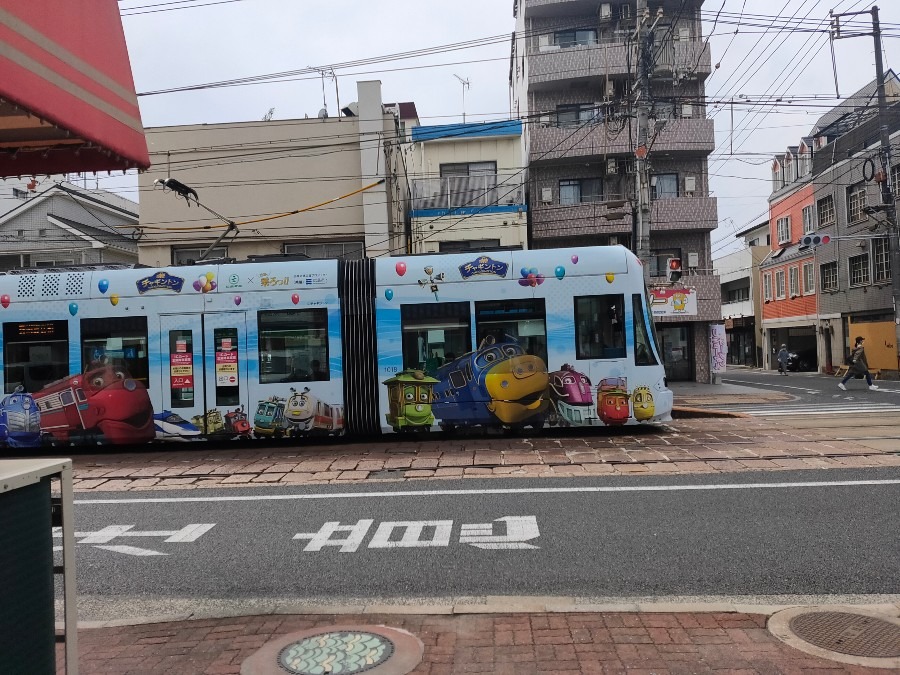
(459,192)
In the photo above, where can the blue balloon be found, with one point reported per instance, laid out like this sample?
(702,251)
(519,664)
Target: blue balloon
(389,294)
(560,272)
(73,308)
(103,285)
(524,271)
(533,270)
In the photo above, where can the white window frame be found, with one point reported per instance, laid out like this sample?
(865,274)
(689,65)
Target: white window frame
(767,286)
(864,271)
(794,280)
(809,219)
(832,266)
(856,202)
(779,285)
(881,260)
(783,229)
(825,211)
(809,278)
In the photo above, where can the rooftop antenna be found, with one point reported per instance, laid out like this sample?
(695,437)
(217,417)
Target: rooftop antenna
(268,116)
(465,85)
(329,72)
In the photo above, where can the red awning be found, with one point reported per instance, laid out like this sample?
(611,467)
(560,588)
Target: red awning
(67,101)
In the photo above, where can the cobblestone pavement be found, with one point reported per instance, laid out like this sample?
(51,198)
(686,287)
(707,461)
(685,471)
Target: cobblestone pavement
(519,644)
(710,444)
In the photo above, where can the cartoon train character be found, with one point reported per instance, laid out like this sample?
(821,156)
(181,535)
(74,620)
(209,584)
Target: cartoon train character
(211,423)
(103,401)
(612,401)
(305,413)
(410,395)
(172,426)
(571,397)
(20,421)
(497,385)
(642,402)
(237,422)
(269,419)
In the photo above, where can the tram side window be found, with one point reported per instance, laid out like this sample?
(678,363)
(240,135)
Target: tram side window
(600,327)
(523,320)
(644,352)
(293,345)
(435,334)
(117,342)
(35,354)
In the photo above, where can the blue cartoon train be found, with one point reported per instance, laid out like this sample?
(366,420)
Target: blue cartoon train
(20,421)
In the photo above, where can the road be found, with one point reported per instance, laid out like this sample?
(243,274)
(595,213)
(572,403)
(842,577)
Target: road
(774,533)
(813,394)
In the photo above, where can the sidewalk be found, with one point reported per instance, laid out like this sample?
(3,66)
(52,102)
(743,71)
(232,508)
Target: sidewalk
(519,642)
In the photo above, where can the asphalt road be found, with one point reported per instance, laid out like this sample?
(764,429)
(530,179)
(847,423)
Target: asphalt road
(791,532)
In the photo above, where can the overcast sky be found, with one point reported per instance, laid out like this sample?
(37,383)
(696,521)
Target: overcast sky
(231,39)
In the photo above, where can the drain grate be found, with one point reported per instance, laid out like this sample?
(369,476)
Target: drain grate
(848,633)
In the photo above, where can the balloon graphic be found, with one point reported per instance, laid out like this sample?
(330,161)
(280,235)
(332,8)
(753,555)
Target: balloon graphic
(209,276)
(524,271)
(197,285)
(4,300)
(103,285)
(213,285)
(73,308)
(574,259)
(560,272)
(610,277)
(114,299)
(237,299)
(295,298)
(532,280)
(389,294)
(540,279)
(401,268)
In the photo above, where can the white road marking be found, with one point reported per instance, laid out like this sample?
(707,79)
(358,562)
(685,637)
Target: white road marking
(130,550)
(487,491)
(772,384)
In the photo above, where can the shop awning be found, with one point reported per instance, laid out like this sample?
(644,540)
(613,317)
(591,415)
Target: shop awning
(67,100)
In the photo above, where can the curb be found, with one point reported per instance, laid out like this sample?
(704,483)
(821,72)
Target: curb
(889,606)
(687,412)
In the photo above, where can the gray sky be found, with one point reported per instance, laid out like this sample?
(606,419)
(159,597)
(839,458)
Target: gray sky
(249,38)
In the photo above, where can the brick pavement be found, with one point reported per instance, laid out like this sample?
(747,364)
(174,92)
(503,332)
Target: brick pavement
(684,446)
(513,643)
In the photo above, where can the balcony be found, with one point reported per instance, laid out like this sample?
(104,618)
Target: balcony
(677,136)
(485,193)
(684,213)
(548,65)
(737,308)
(536,9)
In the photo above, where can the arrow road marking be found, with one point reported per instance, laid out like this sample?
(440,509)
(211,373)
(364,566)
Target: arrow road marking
(100,538)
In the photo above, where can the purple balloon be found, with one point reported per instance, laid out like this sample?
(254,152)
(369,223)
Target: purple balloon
(574,259)
(540,279)
(212,285)
(197,285)
(237,299)
(524,282)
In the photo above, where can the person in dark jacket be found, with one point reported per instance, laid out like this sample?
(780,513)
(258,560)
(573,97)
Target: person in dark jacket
(858,365)
(783,359)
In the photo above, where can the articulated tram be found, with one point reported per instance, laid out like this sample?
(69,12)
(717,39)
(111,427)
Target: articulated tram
(298,349)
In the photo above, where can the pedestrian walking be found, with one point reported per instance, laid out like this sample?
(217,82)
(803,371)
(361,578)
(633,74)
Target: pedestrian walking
(858,365)
(782,360)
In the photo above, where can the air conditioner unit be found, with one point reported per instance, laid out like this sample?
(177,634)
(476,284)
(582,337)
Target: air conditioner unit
(625,11)
(613,240)
(690,184)
(687,110)
(612,166)
(545,120)
(683,34)
(546,195)
(605,11)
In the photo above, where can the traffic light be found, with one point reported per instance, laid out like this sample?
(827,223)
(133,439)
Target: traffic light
(814,240)
(673,269)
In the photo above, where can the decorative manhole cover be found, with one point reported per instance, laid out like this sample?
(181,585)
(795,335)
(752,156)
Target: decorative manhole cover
(848,633)
(345,652)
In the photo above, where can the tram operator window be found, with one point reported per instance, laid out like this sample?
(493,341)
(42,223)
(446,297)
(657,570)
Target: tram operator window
(434,334)
(118,342)
(525,321)
(644,352)
(600,327)
(293,345)
(35,353)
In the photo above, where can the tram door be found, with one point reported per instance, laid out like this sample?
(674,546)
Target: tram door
(225,368)
(182,386)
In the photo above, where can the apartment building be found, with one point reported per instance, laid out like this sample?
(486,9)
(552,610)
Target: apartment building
(338,178)
(467,187)
(818,298)
(572,67)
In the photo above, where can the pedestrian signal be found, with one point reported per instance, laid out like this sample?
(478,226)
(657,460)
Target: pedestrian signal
(673,269)
(814,240)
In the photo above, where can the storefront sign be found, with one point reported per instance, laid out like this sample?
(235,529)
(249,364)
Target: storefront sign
(718,348)
(673,301)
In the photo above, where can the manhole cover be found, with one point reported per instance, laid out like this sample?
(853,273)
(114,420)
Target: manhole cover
(848,633)
(345,652)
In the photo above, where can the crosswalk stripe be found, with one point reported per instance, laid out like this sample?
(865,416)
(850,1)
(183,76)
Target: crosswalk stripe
(805,409)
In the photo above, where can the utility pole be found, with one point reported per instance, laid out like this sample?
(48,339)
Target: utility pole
(641,91)
(888,203)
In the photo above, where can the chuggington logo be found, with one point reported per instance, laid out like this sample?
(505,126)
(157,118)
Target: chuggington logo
(161,281)
(483,265)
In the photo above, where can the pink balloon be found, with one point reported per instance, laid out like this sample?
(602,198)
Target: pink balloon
(4,300)
(295,298)
(401,268)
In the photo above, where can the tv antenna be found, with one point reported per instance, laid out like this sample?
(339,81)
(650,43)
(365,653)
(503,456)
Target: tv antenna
(328,72)
(465,85)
